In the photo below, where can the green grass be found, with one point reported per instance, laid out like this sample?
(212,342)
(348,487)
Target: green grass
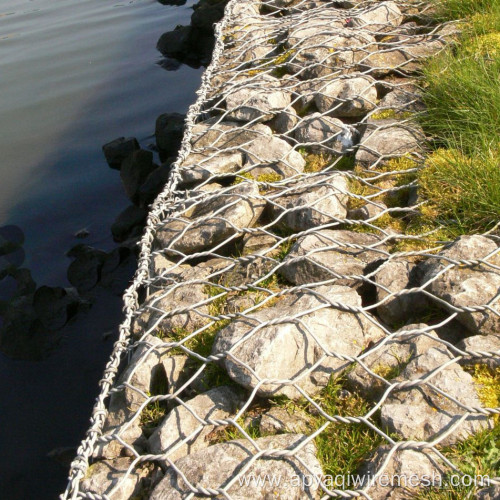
(462,93)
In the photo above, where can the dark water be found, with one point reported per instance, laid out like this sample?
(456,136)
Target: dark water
(74,74)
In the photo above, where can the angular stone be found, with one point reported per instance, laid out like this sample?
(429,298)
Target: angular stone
(214,467)
(181,433)
(277,420)
(154,184)
(253,243)
(387,139)
(102,477)
(389,358)
(199,167)
(468,286)
(213,222)
(422,414)
(128,223)
(116,151)
(491,493)
(414,470)
(271,155)
(285,121)
(352,96)
(285,348)
(169,130)
(327,254)
(134,171)
(381,17)
(313,202)
(402,101)
(258,100)
(320,134)
(367,212)
(481,344)
(394,277)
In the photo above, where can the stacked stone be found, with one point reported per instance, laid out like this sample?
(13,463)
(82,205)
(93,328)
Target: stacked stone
(273,270)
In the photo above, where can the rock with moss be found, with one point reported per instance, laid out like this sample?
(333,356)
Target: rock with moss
(283,342)
(212,222)
(349,96)
(315,201)
(326,255)
(423,413)
(406,474)
(320,133)
(389,357)
(386,139)
(110,477)
(214,467)
(394,280)
(483,349)
(466,275)
(402,100)
(185,429)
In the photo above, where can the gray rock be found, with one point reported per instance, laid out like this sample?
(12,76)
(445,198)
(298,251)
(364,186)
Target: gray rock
(169,130)
(278,420)
(199,167)
(387,139)
(381,17)
(388,358)
(352,96)
(367,212)
(285,121)
(259,100)
(135,170)
(413,469)
(108,476)
(468,286)
(84,272)
(422,414)
(253,243)
(117,150)
(271,155)
(491,493)
(214,467)
(320,133)
(313,202)
(402,101)
(181,433)
(154,184)
(326,254)
(320,52)
(278,348)
(128,223)
(480,344)
(394,277)
(213,221)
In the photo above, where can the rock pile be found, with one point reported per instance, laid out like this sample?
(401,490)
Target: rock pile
(282,266)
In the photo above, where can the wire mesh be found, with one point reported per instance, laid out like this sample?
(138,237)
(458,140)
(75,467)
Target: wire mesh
(280,260)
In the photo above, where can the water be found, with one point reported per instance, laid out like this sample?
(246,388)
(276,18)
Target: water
(74,74)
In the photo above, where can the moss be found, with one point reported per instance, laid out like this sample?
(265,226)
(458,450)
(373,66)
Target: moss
(385,114)
(487,381)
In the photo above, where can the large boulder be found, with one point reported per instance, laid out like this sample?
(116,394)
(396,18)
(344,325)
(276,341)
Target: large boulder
(324,255)
(282,343)
(465,275)
(117,150)
(214,467)
(169,130)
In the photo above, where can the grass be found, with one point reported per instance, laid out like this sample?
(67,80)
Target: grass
(461,180)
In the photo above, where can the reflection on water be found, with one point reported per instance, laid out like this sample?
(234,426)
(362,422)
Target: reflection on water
(74,74)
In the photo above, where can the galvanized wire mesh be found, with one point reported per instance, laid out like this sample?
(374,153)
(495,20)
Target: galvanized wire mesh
(285,235)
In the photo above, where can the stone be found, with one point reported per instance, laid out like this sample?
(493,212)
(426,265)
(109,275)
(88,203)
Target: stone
(370,211)
(327,254)
(199,167)
(395,277)
(480,344)
(129,223)
(258,100)
(278,420)
(103,477)
(402,101)
(169,130)
(468,285)
(320,134)
(206,14)
(381,17)
(217,220)
(175,43)
(55,306)
(491,493)
(271,155)
(388,358)
(181,433)
(177,372)
(318,53)
(269,345)
(422,414)
(405,475)
(154,184)
(84,272)
(352,96)
(117,150)
(134,171)
(387,139)
(318,200)
(258,242)
(285,121)
(215,466)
